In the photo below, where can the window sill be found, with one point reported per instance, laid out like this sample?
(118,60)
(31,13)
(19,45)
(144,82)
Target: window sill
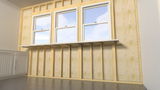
(113,41)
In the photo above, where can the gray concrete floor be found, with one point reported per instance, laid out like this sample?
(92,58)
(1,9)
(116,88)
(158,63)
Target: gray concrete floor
(32,83)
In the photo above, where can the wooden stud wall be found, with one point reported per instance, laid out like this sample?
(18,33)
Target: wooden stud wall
(25,28)
(97,63)
(34,58)
(65,62)
(47,62)
(74,62)
(128,66)
(86,63)
(57,70)
(40,64)
(119,63)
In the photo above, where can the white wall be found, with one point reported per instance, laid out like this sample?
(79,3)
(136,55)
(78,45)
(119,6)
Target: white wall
(9,25)
(149,26)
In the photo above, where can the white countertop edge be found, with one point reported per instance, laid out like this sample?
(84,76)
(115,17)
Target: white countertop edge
(69,43)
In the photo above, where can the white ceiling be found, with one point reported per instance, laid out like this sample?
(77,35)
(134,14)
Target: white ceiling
(25,3)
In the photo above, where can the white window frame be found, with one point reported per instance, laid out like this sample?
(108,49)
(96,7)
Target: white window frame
(107,3)
(34,25)
(56,23)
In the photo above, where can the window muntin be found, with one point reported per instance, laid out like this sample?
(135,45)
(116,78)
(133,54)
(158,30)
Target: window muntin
(96,22)
(41,29)
(66,26)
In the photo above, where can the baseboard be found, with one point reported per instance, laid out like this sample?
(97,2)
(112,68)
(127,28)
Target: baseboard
(10,77)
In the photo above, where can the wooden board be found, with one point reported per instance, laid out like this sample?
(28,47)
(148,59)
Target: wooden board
(50,6)
(108,62)
(65,62)
(43,8)
(126,32)
(40,67)
(74,1)
(86,63)
(85,0)
(96,62)
(57,62)
(47,62)
(74,62)
(66,2)
(58,4)
(34,59)
(26,28)
(36,9)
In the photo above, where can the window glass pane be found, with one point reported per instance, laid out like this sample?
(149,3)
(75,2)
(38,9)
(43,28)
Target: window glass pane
(96,32)
(66,35)
(97,14)
(67,19)
(42,37)
(43,23)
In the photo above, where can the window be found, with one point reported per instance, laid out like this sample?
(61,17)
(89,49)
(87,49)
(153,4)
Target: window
(66,26)
(41,29)
(96,22)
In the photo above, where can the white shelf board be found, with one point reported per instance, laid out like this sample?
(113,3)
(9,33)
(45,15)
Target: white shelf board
(70,43)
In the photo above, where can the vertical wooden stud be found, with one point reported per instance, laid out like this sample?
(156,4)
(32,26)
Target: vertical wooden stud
(44,58)
(37,62)
(33,10)
(79,24)
(69,63)
(52,61)
(140,60)
(102,73)
(30,61)
(46,6)
(70,2)
(39,8)
(31,26)
(112,17)
(20,31)
(62,2)
(91,52)
(113,46)
(54,5)
(80,1)
(53,25)
(61,66)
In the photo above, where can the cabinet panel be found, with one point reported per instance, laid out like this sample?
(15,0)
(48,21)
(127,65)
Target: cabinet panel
(6,64)
(20,65)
